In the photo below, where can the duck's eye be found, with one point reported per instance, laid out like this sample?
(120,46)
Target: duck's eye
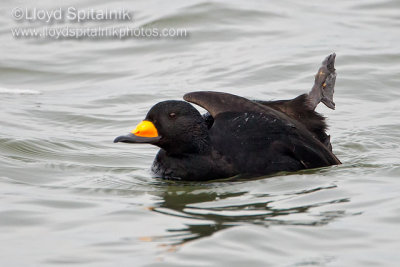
(172,115)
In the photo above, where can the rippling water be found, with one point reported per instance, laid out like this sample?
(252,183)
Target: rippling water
(68,195)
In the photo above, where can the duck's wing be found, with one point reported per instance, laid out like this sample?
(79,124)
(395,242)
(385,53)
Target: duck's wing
(300,110)
(232,113)
(216,103)
(322,91)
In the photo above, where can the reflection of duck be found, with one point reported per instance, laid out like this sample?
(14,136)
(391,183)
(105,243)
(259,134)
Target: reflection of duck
(239,136)
(181,201)
(204,209)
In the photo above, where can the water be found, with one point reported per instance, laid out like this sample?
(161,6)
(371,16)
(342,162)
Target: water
(68,195)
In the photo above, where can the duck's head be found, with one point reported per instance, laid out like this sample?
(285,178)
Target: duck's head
(175,126)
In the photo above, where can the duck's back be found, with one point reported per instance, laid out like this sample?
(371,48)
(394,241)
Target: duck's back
(262,143)
(257,139)
(299,110)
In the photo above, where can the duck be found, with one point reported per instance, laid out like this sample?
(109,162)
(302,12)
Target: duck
(239,137)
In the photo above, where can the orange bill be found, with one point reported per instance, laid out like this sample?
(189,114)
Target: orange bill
(145,129)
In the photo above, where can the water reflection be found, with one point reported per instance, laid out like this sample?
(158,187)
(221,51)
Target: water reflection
(208,209)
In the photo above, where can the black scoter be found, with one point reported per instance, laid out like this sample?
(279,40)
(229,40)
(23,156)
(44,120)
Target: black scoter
(239,136)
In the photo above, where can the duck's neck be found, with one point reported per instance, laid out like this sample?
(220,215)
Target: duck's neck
(196,141)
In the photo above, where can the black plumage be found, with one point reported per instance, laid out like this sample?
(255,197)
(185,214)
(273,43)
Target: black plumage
(240,136)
